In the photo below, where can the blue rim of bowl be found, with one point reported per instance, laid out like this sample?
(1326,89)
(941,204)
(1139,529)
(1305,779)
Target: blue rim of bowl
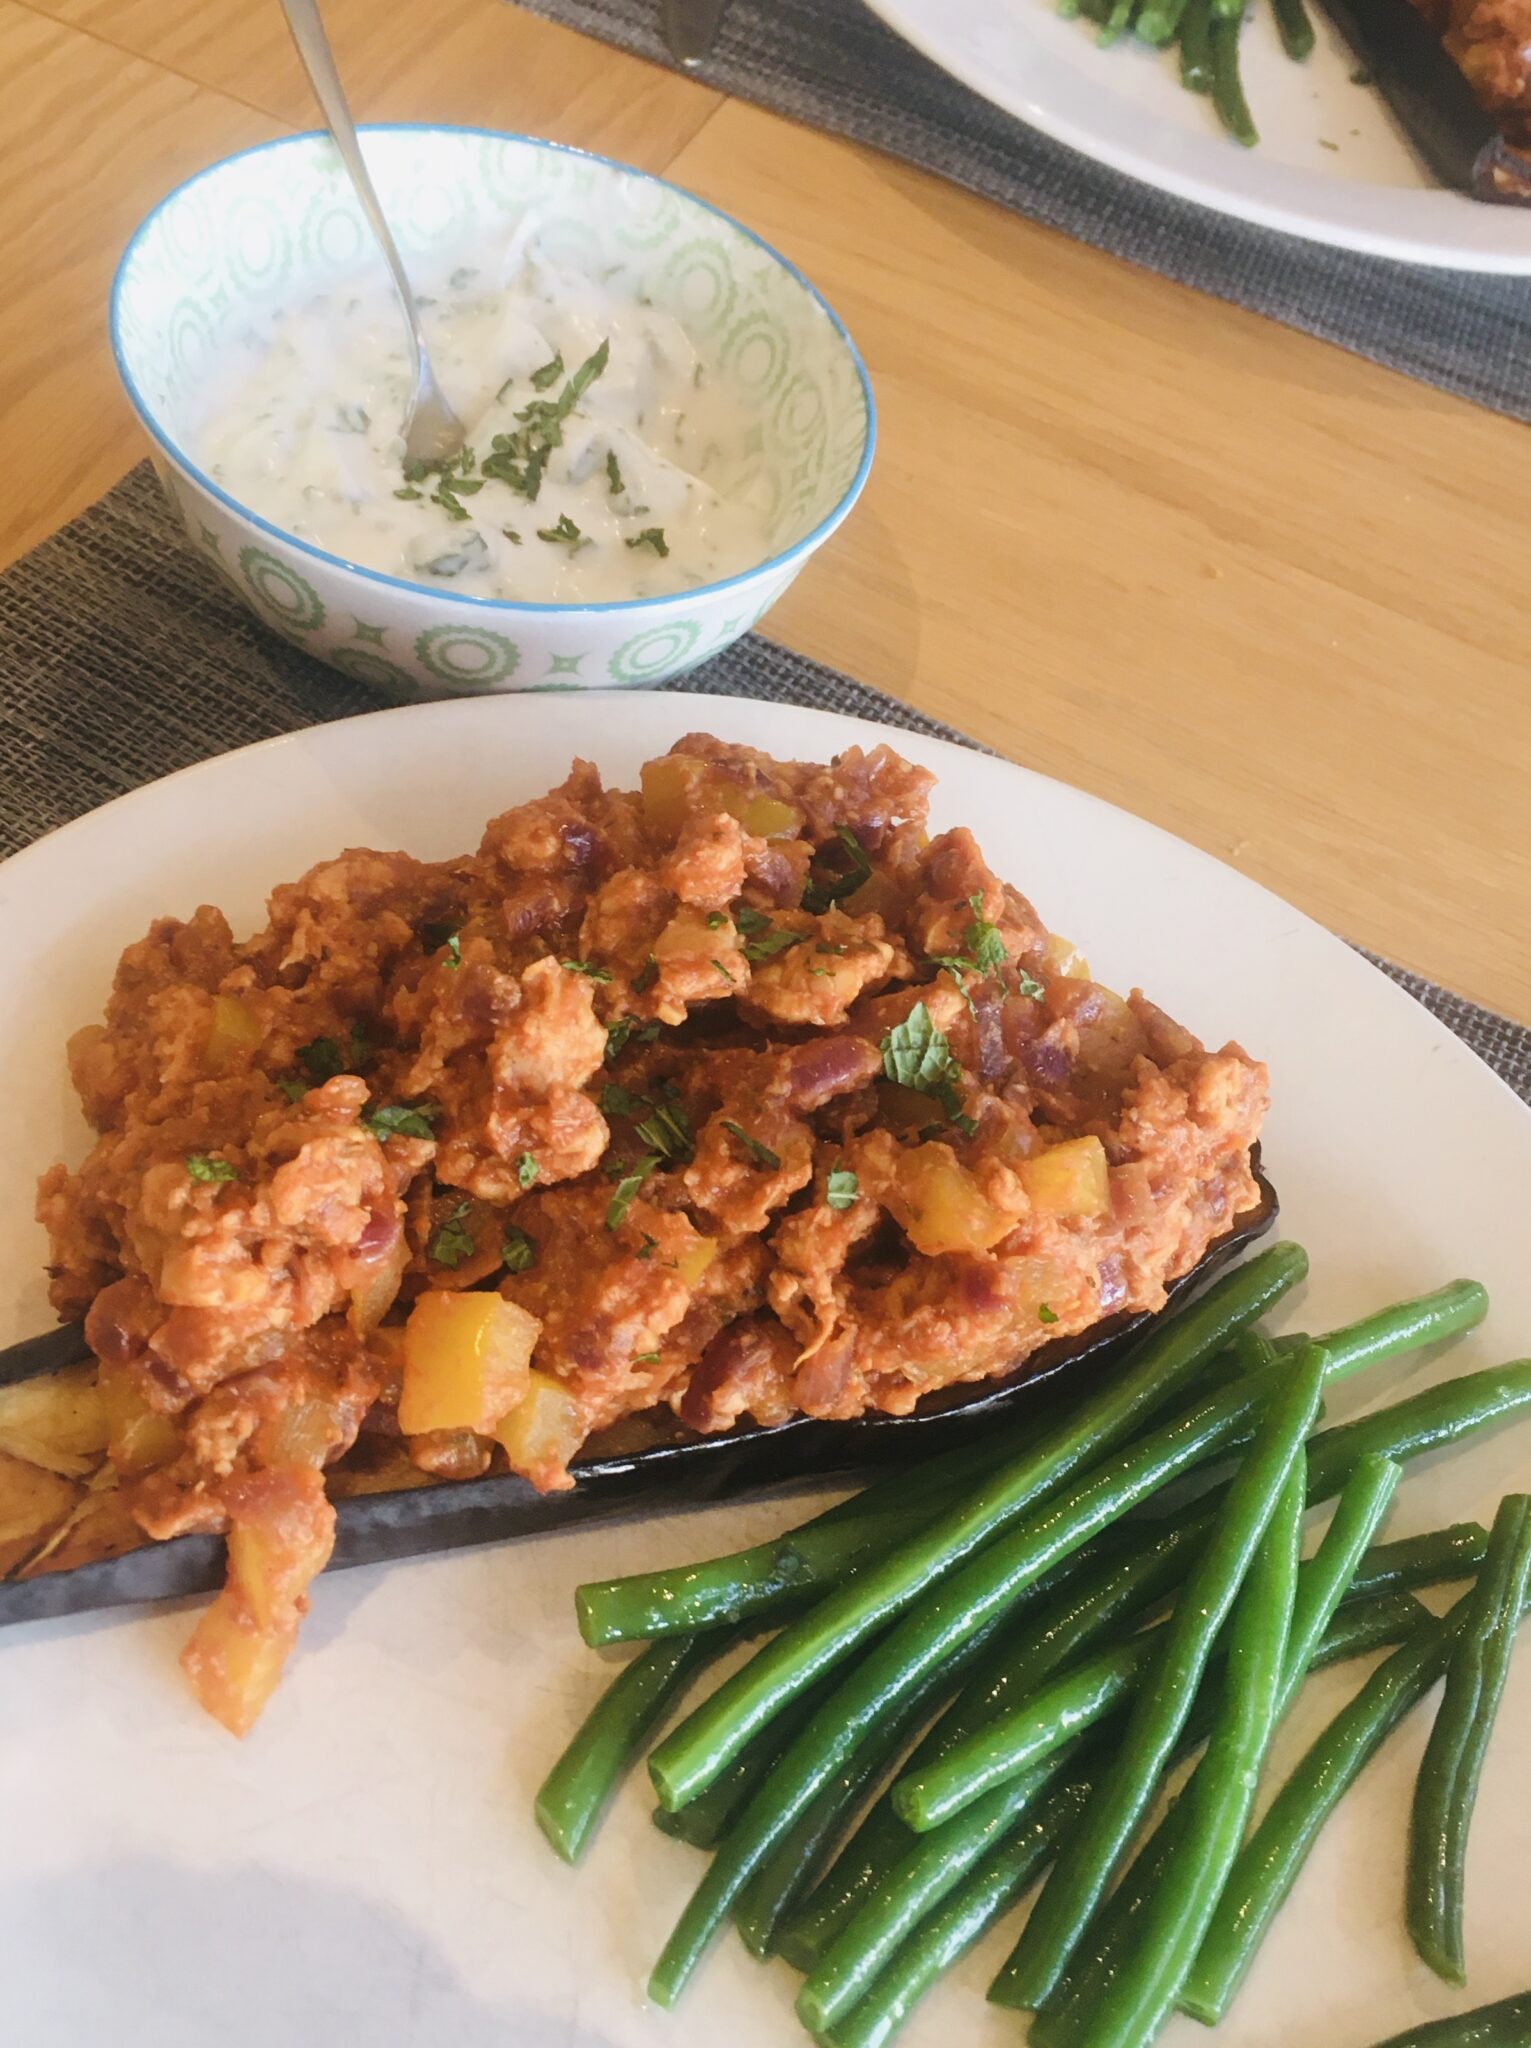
(797,552)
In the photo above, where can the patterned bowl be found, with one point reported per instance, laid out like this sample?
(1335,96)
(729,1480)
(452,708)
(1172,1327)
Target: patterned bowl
(273,220)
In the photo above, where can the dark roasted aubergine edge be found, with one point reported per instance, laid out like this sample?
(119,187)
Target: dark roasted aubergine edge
(1459,142)
(671,1467)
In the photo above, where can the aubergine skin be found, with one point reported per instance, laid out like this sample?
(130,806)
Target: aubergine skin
(673,1467)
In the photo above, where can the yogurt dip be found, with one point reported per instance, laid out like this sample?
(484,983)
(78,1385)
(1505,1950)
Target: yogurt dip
(604,459)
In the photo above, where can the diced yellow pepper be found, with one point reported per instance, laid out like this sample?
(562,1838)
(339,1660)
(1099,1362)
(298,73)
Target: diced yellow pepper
(466,1359)
(1071,1179)
(233,1665)
(542,1434)
(139,1438)
(235,1029)
(695,1259)
(877,897)
(666,788)
(941,1206)
(771,817)
(1064,957)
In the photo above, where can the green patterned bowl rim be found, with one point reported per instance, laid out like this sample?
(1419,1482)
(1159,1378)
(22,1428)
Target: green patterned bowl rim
(787,558)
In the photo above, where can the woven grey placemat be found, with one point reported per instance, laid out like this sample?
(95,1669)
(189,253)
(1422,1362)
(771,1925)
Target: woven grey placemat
(122,658)
(833,65)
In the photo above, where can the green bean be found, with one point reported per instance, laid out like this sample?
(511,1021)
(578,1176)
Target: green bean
(574,1793)
(958,1608)
(1452,1553)
(1227,86)
(1273,1856)
(1424,1422)
(797,1860)
(1159,21)
(912,1885)
(1447,1787)
(1114,1588)
(1025,1736)
(1355,1631)
(704,1742)
(1141,1997)
(1195,49)
(987,1893)
(1294,28)
(779,1572)
(705,1820)
(1116,23)
(1505,2024)
(1087,1861)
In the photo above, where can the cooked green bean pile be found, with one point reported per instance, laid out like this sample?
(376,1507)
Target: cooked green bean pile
(1062,1662)
(1206,34)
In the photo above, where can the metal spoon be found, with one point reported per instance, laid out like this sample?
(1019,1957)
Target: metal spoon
(432,431)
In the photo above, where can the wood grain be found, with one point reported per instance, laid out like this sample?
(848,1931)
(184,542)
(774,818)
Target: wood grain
(1245,584)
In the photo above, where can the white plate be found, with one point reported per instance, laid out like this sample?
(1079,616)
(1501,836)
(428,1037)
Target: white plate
(363,1871)
(1332,164)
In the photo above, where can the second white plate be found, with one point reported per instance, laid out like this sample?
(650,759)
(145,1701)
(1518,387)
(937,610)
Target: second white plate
(1332,165)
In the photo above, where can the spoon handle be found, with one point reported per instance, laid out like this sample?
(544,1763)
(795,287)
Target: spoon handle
(319,62)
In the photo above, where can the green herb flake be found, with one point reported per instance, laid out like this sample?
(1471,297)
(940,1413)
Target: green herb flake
(841,1187)
(982,941)
(1046,1315)
(759,1155)
(772,943)
(750,920)
(614,474)
(649,1246)
(1026,986)
(716,920)
(406,491)
(628,1186)
(587,968)
(451,1243)
(646,976)
(518,1251)
(402,1119)
(916,1055)
(565,531)
(203,1167)
(294,1090)
(825,888)
(526,1171)
(619,1101)
(731,979)
(666,1129)
(549,373)
(645,1358)
(651,537)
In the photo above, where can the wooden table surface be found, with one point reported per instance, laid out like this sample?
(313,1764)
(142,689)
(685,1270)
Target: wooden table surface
(1229,577)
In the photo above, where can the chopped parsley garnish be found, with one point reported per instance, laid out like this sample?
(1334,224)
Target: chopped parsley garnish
(822,948)
(202,1166)
(769,944)
(518,1251)
(587,968)
(649,1246)
(450,1244)
(549,373)
(716,919)
(511,535)
(519,459)
(645,1358)
(565,530)
(841,1187)
(623,1029)
(439,936)
(732,980)
(982,940)
(294,1090)
(1046,1315)
(750,920)
(651,537)
(406,491)
(1026,986)
(916,1055)
(759,1155)
(526,1171)
(827,887)
(646,976)
(619,1101)
(402,1119)
(323,1058)
(628,1186)
(665,1129)
(614,474)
